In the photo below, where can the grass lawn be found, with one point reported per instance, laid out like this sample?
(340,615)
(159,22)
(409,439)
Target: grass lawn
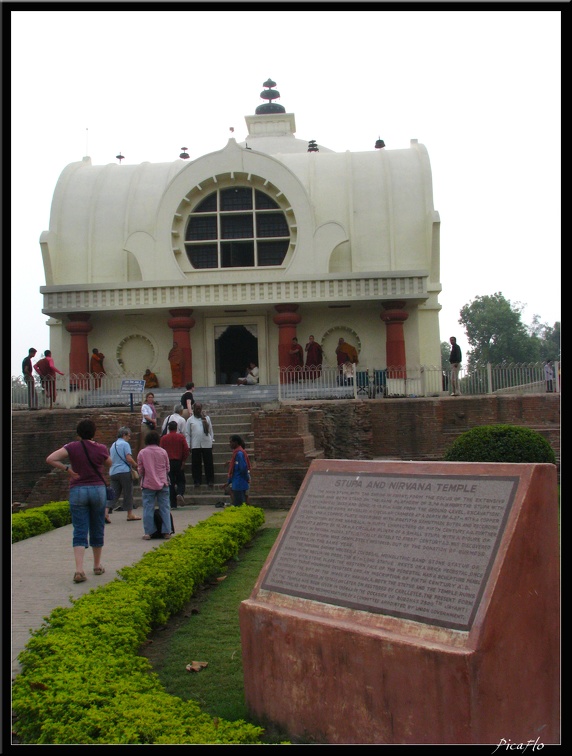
(207,630)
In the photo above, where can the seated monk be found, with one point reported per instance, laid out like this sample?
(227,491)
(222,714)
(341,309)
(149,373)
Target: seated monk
(151,380)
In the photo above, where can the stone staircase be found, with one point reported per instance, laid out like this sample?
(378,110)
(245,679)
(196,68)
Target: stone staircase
(230,409)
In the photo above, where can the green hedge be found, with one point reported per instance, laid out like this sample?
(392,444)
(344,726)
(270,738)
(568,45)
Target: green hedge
(32,522)
(500,443)
(83,680)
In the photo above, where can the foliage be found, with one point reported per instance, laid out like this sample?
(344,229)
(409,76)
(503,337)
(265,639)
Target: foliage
(500,443)
(445,352)
(549,338)
(496,333)
(38,520)
(82,680)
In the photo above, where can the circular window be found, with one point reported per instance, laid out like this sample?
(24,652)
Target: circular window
(237,221)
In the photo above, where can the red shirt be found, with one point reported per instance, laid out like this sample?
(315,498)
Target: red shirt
(175,444)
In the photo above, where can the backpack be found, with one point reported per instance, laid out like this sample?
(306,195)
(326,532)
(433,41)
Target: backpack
(159,524)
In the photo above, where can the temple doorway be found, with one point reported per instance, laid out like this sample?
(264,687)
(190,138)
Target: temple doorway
(235,347)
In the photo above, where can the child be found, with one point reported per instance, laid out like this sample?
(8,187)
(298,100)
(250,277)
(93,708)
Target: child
(238,473)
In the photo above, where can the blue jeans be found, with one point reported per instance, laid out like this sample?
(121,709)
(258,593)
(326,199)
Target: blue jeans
(87,506)
(149,496)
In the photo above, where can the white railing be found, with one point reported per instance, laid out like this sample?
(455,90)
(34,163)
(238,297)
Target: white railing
(373,383)
(83,390)
(76,391)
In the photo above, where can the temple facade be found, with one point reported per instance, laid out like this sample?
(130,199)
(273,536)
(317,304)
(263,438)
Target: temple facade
(231,255)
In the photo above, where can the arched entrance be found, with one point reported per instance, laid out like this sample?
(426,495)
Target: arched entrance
(235,347)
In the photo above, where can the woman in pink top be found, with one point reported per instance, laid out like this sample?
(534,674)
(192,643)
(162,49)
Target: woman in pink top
(153,467)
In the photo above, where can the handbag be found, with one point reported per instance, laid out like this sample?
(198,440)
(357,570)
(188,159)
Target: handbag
(109,492)
(134,476)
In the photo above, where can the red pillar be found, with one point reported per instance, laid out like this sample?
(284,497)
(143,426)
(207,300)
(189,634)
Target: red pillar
(287,319)
(394,317)
(79,327)
(181,323)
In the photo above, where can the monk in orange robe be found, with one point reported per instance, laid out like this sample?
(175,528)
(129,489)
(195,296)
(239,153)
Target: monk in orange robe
(96,367)
(176,360)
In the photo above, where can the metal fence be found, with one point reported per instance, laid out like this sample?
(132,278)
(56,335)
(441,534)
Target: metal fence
(84,390)
(75,391)
(372,383)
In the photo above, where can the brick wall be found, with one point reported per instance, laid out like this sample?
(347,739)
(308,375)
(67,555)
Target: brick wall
(35,435)
(287,439)
(407,429)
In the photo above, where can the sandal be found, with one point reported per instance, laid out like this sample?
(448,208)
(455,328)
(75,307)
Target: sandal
(99,570)
(146,537)
(130,519)
(107,519)
(79,577)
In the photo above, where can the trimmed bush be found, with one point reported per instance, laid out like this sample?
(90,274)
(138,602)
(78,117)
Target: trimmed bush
(83,680)
(500,443)
(32,522)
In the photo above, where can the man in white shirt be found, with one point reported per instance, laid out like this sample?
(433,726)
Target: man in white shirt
(177,417)
(200,438)
(251,376)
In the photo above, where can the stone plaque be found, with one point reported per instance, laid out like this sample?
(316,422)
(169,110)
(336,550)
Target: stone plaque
(418,547)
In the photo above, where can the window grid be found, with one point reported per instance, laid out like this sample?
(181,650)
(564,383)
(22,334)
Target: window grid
(246,227)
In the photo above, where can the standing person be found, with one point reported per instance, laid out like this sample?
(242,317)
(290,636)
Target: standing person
(29,378)
(47,371)
(96,367)
(296,357)
(549,376)
(251,375)
(148,415)
(151,380)
(153,468)
(200,438)
(238,472)
(122,463)
(345,351)
(188,400)
(455,358)
(177,416)
(83,461)
(176,360)
(313,358)
(177,449)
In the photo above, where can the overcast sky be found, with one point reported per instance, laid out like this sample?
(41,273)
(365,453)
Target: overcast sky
(480,89)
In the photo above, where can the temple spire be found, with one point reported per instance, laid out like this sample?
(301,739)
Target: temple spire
(269,94)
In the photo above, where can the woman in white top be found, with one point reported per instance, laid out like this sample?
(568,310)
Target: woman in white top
(200,438)
(148,415)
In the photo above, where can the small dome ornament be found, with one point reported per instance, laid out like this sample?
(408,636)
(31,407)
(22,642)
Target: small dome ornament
(380,144)
(313,146)
(269,94)
(120,157)
(184,155)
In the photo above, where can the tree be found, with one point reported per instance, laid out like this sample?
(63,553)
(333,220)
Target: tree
(549,338)
(445,352)
(496,333)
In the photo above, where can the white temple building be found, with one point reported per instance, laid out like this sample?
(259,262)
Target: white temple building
(233,253)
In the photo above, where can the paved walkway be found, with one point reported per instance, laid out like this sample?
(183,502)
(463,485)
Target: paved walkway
(43,566)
